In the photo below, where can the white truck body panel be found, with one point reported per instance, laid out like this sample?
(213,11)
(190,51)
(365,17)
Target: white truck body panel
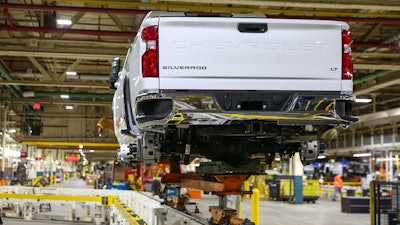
(211,53)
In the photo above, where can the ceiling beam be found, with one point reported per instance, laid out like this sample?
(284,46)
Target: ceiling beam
(74,20)
(208,6)
(46,76)
(58,101)
(279,14)
(118,22)
(376,66)
(70,115)
(370,55)
(382,115)
(58,55)
(72,144)
(311,5)
(72,67)
(69,31)
(75,42)
(54,84)
(291,4)
(73,9)
(376,86)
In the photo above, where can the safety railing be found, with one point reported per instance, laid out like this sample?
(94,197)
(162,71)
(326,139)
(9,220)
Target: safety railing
(384,202)
(114,207)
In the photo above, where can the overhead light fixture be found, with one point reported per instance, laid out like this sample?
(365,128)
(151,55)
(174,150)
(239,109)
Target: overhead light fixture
(69,107)
(321,157)
(362,154)
(363,100)
(64,96)
(64,22)
(71,73)
(12,131)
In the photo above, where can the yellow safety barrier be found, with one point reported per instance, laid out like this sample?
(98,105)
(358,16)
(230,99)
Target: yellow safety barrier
(35,180)
(130,216)
(255,210)
(125,211)
(105,201)
(40,181)
(246,187)
(372,203)
(345,183)
(52,179)
(240,206)
(326,189)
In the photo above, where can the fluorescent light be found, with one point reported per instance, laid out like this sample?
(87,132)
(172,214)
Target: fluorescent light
(64,22)
(362,154)
(277,159)
(91,150)
(363,100)
(69,107)
(321,157)
(64,96)
(12,130)
(71,73)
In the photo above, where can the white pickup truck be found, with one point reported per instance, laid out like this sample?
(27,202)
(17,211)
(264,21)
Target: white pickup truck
(228,86)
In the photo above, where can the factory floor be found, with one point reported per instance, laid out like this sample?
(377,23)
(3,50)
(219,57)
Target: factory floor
(323,211)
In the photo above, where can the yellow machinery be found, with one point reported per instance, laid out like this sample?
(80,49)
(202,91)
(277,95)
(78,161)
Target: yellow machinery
(310,190)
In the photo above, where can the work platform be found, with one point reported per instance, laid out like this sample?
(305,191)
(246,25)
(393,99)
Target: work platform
(323,211)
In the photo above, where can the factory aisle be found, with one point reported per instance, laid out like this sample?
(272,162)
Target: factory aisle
(74,182)
(323,211)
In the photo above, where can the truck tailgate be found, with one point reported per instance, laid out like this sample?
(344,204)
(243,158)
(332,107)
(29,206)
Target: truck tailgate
(195,51)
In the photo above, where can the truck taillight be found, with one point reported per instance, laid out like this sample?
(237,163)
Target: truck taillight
(347,60)
(150,57)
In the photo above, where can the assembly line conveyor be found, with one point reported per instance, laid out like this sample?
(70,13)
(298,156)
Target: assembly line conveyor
(97,206)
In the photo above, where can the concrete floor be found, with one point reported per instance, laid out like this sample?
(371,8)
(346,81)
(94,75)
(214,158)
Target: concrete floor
(271,212)
(323,212)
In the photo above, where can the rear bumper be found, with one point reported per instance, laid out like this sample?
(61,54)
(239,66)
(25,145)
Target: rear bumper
(222,107)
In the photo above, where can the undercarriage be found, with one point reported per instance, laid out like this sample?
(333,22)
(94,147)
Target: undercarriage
(245,146)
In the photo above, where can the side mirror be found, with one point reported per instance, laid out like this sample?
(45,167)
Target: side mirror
(114,72)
